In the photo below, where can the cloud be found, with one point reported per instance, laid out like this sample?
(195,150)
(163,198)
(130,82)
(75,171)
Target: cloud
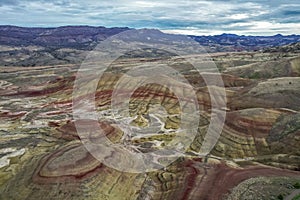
(259,17)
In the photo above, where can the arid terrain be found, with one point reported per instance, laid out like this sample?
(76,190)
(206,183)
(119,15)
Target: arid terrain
(257,155)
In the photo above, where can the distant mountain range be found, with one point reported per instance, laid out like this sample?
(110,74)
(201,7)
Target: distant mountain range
(69,44)
(78,37)
(234,42)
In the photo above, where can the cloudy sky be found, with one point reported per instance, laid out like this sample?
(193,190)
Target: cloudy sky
(258,17)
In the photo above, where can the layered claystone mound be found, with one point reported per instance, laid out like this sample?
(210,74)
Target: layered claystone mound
(156,93)
(285,125)
(295,63)
(273,93)
(228,80)
(70,162)
(245,133)
(193,179)
(48,84)
(68,130)
(71,172)
(75,160)
(281,160)
(177,181)
(263,70)
(228,178)
(285,135)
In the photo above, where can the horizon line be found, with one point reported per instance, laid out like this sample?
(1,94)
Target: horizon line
(167,31)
